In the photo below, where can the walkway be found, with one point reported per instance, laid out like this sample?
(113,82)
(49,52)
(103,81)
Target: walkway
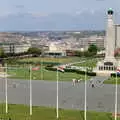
(100,98)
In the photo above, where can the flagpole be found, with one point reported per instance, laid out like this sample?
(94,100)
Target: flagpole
(57,96)
(116,99)
(85,108)
(41,71)
(6,91)
(30,90)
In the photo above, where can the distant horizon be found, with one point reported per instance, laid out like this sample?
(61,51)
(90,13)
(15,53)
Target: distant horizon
(49,31)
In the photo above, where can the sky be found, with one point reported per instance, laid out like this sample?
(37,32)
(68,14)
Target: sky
(20,11)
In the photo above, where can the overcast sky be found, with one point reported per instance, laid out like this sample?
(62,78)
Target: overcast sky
(48,7)
(54,6)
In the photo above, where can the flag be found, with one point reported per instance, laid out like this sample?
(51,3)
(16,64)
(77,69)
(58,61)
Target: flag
(60,68)
(35,68)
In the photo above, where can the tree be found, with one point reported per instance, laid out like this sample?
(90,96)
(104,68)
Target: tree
(78,53)
(92,49)
(34,50)
(2,54)
(88,54)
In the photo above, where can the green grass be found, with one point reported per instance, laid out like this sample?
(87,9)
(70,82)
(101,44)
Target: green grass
(44,75)
(112,80)
(88,63)
(47,59)
(21,112)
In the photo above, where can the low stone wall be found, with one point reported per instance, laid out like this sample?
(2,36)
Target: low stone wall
(104,73)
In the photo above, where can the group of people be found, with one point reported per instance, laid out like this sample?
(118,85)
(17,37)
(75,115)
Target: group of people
(74,81)
(96,83)
(92,83)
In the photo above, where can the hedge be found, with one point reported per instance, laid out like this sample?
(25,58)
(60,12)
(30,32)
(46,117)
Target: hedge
(50,68)
(32,62)
(114,75)
(72,70)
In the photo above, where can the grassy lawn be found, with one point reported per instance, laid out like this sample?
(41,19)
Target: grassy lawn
(59,60)
(88,63)
(43,74)
(112,80)
(21,112)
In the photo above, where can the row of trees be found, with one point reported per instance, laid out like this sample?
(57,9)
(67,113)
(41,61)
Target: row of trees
(33,51)
(92,50)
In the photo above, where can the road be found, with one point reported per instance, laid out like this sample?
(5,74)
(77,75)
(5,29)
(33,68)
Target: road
(100,98)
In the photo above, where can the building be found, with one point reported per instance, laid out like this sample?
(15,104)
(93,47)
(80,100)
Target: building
(14,48)
(96,40)
(117,36)
(55,51)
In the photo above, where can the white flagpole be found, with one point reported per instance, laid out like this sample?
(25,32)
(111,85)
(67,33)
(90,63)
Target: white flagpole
(30,90)
(57,96)
(85,107)
(6,91)
(41,70)
(116,99)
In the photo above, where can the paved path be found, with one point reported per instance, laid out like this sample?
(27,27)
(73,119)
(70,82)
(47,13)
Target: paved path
(100,98)
(98,80)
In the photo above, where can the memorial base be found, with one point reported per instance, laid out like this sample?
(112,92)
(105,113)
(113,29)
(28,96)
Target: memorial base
(105,68)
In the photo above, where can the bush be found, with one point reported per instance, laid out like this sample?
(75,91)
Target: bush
(50,68)
(80,72)
(91,73)
(72,70)
(50,65)
(114,75)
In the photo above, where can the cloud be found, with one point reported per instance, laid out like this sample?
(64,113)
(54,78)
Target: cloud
(37,15)
(79,12)
(5,14)
(85,10)
(19,6)
(92,12)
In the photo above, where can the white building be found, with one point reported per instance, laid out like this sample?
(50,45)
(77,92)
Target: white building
(15,48)
(117,36)
(96,40)
(55,50)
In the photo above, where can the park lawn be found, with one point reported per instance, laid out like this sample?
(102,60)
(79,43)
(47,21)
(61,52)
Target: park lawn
(49,59)
(112,80)
(21,112)
(44,75)
(88,63)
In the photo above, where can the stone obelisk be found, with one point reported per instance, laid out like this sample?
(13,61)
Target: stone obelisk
(109,64)
(110,38)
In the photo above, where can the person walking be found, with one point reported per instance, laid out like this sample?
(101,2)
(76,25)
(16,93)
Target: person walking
(73,82)
(90,82)
(93,85)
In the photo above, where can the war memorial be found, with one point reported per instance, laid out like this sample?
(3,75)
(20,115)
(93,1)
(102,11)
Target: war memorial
(110,63)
